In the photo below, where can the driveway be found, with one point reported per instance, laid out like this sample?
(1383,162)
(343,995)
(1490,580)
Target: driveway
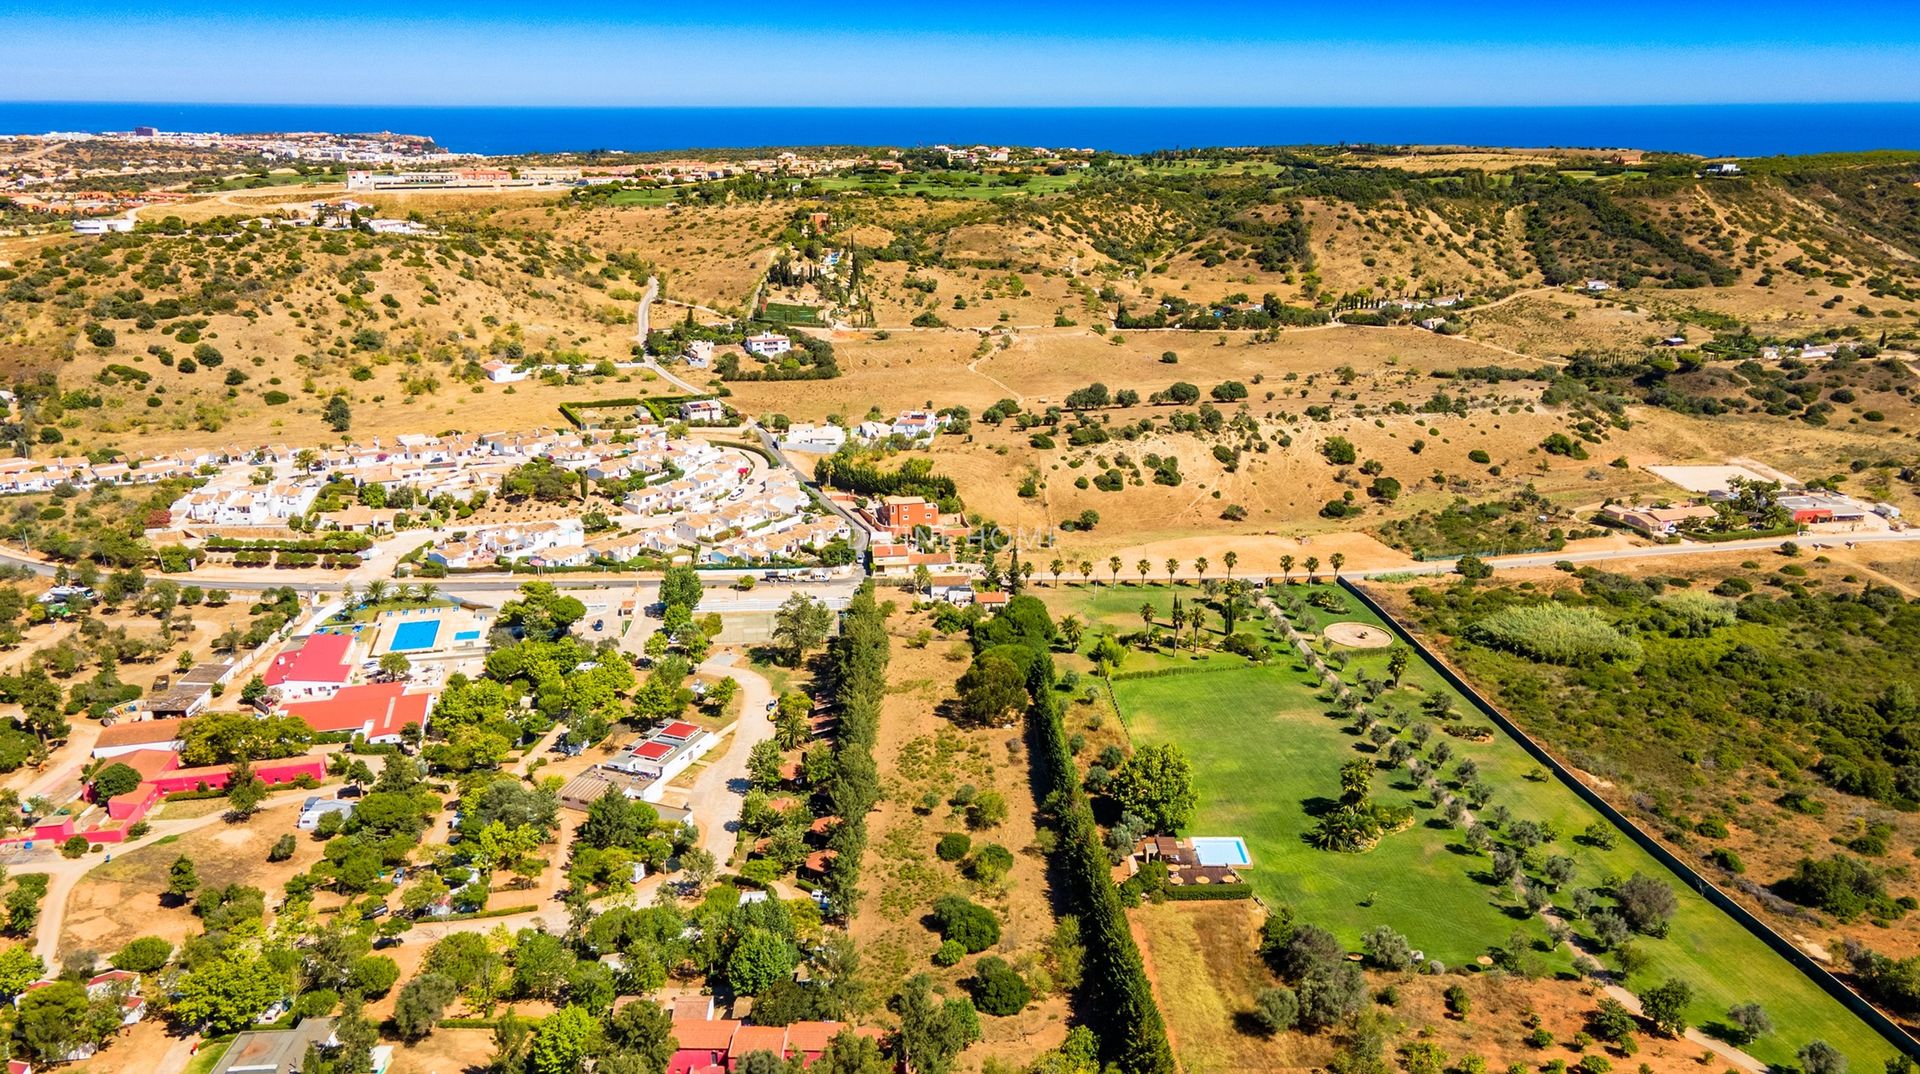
(720,790)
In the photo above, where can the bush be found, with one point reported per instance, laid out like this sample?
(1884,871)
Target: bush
(282,848)
(144,955)
(991,863)
(1555,634)
(74,847)
(973,925)
(997,989)
(1275,1010)
(950,953)
(953,846)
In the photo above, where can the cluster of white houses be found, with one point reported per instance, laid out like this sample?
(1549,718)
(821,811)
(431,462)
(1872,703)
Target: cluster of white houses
(918,426)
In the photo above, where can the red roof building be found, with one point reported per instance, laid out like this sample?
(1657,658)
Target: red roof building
(678,729)
(378,711)
(705,1046)
(315,667)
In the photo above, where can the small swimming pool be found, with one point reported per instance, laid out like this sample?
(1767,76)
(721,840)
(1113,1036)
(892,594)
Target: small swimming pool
(414,636)
(466,635)
(1221,850)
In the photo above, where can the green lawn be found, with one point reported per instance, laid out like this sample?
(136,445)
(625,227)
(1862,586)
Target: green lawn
(1116,609)
(208,1056)
(1266,743)
(788,313)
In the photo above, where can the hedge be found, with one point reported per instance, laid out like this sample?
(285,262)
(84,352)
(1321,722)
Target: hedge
(1208,892)
(476,915)
(1115,997)
(857,672)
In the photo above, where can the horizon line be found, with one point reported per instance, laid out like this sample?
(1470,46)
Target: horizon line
(1643,105)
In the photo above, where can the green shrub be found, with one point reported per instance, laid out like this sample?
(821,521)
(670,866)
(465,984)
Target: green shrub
(973,926)
(953,846)
(950,953)
(1555,634)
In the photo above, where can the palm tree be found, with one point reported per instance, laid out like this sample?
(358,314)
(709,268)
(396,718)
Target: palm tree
(1086,570)
(1338,559)
(1143,567)
(1113,568)
(348,596)
(427,591)
(1173,565)
(1196,619)
(1146,613)
(1313,565)
(1179,619)
(1230,559)
(1057,566)
(1286,568)
(1026,570)
(376,591)
(404,594)
(1200,568)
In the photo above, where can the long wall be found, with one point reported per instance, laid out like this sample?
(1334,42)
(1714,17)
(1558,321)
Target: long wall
(1800,960)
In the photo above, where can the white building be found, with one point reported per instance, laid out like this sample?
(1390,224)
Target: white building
(698,353)
(767,345)
(817,439)
(703,410)
(504,372)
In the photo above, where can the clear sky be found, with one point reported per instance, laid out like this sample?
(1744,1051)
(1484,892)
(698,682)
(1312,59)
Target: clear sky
(979,52)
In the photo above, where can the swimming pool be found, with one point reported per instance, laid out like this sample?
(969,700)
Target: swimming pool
(1221,850)
(414,636)
(466,635)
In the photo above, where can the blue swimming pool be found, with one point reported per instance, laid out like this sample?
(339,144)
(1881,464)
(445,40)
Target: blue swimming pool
(414,636)
(466,635)
(1221,850)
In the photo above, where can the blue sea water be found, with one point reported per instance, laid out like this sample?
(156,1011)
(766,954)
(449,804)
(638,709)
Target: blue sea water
(1712,130)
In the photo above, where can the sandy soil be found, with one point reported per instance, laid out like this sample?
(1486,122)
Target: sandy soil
(921,751)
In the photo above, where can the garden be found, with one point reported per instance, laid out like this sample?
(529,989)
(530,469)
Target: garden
(1447,832)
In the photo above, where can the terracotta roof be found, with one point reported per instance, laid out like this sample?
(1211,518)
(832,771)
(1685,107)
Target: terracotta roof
(811,1036)
(139,733)
(715,1034)
(387,705)
(758,1039)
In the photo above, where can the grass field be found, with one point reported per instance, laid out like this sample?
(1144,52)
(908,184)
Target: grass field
(1266,744)
(789,313)
(1116,609)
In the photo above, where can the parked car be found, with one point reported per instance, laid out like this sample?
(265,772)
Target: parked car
(376,913)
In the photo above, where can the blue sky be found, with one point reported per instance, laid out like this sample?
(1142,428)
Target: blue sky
(983,52)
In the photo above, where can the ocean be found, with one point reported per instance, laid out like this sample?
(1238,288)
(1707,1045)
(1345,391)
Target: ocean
(1709,130)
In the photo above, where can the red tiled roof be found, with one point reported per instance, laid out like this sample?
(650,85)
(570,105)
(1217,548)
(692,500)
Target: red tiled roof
(652,751)
(677,729)
(758,1039)
(320,658)
(811,1037)
(149,763)
(139,733)
(714,1034)
(385,706)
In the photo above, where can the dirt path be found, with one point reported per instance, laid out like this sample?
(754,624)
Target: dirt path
(64,874)
(720,790)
